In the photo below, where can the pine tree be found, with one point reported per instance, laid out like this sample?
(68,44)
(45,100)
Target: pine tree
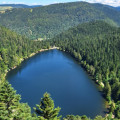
(8,99)
(46,109)
(117,111)
(99,118)
(10,106)
(107,91)
(112,107)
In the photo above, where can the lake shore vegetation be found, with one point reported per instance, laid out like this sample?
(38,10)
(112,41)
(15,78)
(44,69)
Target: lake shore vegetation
(94,45)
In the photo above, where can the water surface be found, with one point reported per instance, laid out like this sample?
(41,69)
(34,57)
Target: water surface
(57,73)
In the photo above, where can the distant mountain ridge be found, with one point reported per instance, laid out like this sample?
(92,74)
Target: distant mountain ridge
(48,21)
(118,8)
(19,5)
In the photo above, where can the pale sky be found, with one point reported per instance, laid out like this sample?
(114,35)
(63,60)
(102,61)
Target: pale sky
(47,2)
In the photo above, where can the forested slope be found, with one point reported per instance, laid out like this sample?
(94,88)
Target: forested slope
(48,21)
(118,8)
(109,11)
(14,48)
(96,46)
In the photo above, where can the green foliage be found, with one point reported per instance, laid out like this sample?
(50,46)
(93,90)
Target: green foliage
(48,21)
(99,118)
(4,8)
(95,45)
(77,117)
(10,107)
(116,91)
(117,110)
(107,91)
(14,48)
(98,44)
(46,109)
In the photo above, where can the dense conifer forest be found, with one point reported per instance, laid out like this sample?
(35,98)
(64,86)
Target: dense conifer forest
(95,45)
(14,49)
(48,21)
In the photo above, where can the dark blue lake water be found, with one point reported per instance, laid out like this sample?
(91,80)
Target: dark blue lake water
(57,73)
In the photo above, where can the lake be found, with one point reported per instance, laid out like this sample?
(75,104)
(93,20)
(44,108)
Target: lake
(59,74)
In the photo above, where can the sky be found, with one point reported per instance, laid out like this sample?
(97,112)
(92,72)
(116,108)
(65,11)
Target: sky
(114,3)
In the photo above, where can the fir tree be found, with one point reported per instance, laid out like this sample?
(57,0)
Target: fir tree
(10,106)
(46,109)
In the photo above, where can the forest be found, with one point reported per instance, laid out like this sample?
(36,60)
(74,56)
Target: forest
(93,41)
(96,46)
(14,49)
(47,21)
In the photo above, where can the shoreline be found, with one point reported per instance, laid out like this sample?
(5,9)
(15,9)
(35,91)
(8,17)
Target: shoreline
(42,50)
(52,48)
(22,59)
(99,86)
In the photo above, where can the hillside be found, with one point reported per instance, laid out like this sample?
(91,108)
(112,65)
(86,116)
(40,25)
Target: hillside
(3,9)
(109,11)
(14,48)
(95,46)
(19,5)
(118,8)
(48,21)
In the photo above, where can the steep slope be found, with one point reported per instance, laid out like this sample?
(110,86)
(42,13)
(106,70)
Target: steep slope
(96,46)
(48,21)
(14,48)
(109,11)
(7,7)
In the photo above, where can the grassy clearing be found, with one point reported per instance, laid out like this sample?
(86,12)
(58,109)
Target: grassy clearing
(4,8)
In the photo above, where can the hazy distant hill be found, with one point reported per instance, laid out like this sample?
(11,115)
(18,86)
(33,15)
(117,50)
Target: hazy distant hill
(118,8)
(48,21)
(5,7)
(110,12)
(19,5)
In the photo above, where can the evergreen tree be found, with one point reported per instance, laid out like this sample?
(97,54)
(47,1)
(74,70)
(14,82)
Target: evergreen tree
(107,91)
(117,111)
(10,106)
(8,99)
(77,117)
(112,107)
(46,108)
(99,118)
